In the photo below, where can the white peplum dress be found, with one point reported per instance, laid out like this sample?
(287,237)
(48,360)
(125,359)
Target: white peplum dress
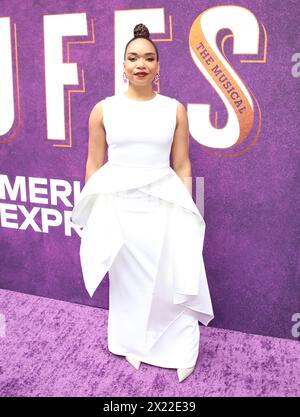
(141,225)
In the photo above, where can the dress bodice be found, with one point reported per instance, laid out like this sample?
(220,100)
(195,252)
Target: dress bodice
(139,133)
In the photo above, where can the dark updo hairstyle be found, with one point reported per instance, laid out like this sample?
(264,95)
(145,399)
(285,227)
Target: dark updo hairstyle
(141,31)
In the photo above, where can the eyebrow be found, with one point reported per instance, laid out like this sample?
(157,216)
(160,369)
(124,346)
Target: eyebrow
(147,53)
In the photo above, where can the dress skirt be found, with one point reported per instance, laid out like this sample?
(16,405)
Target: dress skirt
(141,289)
(142,227)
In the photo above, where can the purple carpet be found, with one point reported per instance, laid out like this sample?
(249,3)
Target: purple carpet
(55,348)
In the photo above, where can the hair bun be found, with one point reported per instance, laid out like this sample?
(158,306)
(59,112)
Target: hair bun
(141,31)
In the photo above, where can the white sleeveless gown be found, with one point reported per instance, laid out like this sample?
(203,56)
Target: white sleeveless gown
(141,225)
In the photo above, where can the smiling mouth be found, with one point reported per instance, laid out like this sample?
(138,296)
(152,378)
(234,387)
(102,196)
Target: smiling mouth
(141,73)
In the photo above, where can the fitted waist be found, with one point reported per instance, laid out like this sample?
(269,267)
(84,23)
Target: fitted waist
(139,155)
(111,161)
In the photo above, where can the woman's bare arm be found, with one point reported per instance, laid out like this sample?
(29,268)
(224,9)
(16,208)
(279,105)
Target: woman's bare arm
(180,148)
(97,141)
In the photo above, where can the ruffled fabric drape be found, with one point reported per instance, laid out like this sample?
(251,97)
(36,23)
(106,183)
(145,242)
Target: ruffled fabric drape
(182,231)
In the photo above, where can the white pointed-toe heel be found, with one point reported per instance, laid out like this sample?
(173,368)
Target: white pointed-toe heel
(134,362)
(183,373)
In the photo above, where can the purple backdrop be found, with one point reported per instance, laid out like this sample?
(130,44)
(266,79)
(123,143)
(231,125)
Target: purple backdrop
(251,248)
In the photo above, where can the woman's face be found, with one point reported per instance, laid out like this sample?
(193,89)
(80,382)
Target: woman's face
(141,57)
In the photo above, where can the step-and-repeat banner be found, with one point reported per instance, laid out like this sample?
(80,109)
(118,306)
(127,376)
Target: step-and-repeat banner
(236,68)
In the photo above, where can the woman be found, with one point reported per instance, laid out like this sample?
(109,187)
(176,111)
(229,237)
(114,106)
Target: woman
(140,222)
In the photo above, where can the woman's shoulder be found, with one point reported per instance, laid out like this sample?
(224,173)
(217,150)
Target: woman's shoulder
(102,105)
(103,102)
(174,103)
